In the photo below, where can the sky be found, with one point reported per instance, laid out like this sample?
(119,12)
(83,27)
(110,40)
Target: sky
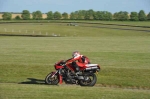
(74,5)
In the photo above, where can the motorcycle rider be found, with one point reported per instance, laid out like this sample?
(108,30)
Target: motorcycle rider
(78,60)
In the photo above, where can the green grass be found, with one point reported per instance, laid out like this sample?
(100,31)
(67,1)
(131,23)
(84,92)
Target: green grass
(135,23)
(124,57)
(74,31)
(20,91)
(27,56)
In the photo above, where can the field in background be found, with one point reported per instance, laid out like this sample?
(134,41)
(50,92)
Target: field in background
(25,61)
(76,30)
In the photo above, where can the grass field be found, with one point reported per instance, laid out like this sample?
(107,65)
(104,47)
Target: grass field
(124,56)
(15,91)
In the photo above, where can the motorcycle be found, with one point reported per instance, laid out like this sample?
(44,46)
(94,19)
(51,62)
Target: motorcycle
(65,72)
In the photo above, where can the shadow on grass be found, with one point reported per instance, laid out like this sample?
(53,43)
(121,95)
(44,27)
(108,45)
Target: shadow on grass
(33,81)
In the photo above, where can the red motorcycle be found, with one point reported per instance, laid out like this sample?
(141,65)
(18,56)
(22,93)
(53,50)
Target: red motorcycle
(65,72)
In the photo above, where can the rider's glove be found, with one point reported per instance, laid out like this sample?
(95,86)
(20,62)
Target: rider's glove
(63,63)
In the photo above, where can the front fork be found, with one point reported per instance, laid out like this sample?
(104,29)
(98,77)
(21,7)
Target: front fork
(59,75)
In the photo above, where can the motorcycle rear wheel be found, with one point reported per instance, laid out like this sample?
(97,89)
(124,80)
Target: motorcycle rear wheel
(51,80)
(91,80)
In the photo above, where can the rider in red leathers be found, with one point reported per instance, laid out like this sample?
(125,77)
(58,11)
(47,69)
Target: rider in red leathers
(78,60)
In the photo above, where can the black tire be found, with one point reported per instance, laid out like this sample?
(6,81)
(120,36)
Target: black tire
(90,82)
(51,81)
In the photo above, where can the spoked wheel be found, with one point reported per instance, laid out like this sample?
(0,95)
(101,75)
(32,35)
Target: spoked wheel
(89,80)
(51,80)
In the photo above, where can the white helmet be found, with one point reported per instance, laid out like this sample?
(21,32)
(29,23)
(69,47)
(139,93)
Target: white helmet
(76,53)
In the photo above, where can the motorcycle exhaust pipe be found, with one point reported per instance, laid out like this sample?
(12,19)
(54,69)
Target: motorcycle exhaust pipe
(91,68)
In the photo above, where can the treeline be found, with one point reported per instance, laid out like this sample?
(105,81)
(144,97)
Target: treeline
(81,15)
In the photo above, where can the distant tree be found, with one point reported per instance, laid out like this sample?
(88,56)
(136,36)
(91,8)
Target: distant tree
(50,15)
(96,15)
(76,14)
(106,15)
(80,14)
(121,16)
(102,15)
(57,15)
(134,16)
(142,15)
(25,15)
(18,17)
(7,16)
(148,16)
(73,16)
(37,15)
(65,15)
(115,16)
(89,14)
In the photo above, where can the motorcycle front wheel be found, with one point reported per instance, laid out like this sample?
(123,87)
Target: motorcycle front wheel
(89,80)
(51,80)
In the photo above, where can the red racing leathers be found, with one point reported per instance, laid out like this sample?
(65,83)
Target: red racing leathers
(80,60)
